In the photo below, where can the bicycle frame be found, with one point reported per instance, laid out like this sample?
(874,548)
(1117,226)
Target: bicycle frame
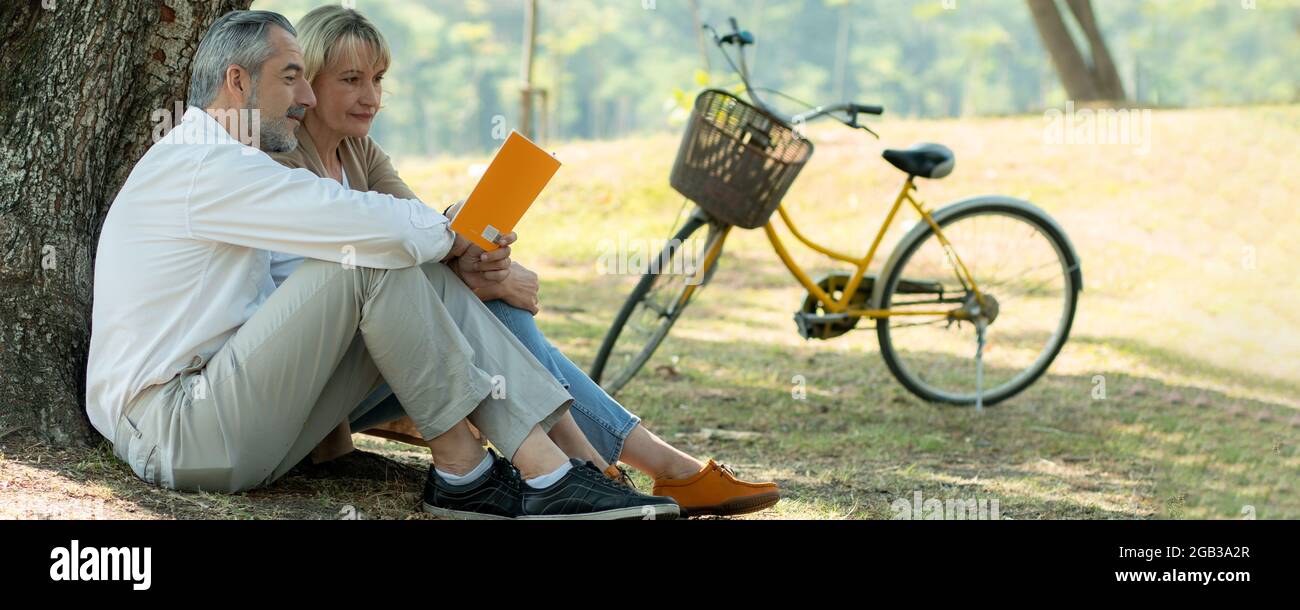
(841,305)
(710,257)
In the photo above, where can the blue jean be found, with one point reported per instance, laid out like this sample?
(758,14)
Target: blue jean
(602,419)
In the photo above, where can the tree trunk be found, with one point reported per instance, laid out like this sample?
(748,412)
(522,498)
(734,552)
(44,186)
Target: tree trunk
(85,86)
(701,42)
(1105,74)
(526,70)
(1083,82)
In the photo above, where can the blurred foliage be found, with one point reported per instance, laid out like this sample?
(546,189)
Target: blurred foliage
(615,67)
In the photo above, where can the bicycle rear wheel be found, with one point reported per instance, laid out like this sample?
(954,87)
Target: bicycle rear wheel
(658,301)
(1016,255)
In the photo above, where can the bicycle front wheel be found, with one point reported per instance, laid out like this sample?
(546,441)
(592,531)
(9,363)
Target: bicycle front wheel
(1018,257)
(684,266)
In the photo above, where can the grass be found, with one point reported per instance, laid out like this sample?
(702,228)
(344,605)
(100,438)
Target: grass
(1187,319)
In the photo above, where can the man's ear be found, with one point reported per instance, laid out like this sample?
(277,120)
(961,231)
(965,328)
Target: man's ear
(239,84)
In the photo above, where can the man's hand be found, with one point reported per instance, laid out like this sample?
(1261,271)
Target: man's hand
(460,244)
(458,248)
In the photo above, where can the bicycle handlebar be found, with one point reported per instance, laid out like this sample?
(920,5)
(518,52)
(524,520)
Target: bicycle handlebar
(737,37)
(742,39)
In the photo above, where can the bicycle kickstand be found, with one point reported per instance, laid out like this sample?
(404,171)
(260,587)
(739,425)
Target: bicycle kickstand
(980,326)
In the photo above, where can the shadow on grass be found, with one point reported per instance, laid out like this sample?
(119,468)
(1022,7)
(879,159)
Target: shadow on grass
(859,441)
(1145,449)
(854,446)
(44,481)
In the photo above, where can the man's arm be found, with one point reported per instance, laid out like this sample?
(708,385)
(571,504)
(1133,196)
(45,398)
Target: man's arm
(252,201)
(492,266)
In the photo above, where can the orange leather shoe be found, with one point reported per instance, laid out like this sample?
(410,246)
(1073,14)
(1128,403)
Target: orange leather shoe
(716,491)
(616,473)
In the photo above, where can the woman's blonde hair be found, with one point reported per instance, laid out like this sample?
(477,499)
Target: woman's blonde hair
(322,32)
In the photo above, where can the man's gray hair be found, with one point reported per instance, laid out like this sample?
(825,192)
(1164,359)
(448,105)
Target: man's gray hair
(238,37)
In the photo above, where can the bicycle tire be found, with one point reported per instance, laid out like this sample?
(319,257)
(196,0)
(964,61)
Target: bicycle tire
(637,299)
(909,245)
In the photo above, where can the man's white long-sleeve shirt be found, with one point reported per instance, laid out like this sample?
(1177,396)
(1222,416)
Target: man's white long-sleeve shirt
(184,257)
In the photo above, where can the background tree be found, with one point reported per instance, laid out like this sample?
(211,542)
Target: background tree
(84,81)
(1093,78)
(611,68)
(526,90)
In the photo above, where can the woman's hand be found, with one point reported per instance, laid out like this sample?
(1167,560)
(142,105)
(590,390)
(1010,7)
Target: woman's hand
(519,289)
(492,266)
(451,211)
(492,275)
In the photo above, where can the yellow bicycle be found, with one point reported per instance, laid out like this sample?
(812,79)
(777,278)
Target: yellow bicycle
(971,308)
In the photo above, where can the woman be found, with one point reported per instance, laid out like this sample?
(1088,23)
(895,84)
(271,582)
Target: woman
(346,58)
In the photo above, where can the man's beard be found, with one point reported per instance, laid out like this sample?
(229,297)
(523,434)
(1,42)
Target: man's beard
(275,134)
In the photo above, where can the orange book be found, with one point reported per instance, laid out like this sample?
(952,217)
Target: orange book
(511,183)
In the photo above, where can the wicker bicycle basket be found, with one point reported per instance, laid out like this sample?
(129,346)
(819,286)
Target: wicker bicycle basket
(737,161)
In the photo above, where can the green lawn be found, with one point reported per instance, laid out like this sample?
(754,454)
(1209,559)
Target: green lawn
(1188,317)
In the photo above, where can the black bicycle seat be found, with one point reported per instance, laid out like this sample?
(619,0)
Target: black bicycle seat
(933,161)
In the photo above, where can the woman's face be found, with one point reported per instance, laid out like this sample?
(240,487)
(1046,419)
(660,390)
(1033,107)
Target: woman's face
(348,91)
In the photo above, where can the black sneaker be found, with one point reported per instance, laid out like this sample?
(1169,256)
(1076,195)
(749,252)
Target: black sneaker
(620,475)
(495,495)
(586,493)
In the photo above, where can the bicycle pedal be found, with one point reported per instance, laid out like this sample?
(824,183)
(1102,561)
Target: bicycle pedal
(823,326)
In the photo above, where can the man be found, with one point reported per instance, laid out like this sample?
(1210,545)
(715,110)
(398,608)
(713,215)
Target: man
(205,376)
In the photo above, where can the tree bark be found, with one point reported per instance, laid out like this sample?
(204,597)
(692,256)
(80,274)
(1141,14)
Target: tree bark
(85,85)
(1083,82)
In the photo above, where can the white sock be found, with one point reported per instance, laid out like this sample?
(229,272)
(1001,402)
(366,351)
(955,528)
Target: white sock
(549,479)
(469,477)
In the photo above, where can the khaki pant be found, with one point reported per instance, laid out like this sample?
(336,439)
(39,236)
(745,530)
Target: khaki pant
(320,344)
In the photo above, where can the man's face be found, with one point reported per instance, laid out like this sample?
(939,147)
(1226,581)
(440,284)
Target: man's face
(281,94)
